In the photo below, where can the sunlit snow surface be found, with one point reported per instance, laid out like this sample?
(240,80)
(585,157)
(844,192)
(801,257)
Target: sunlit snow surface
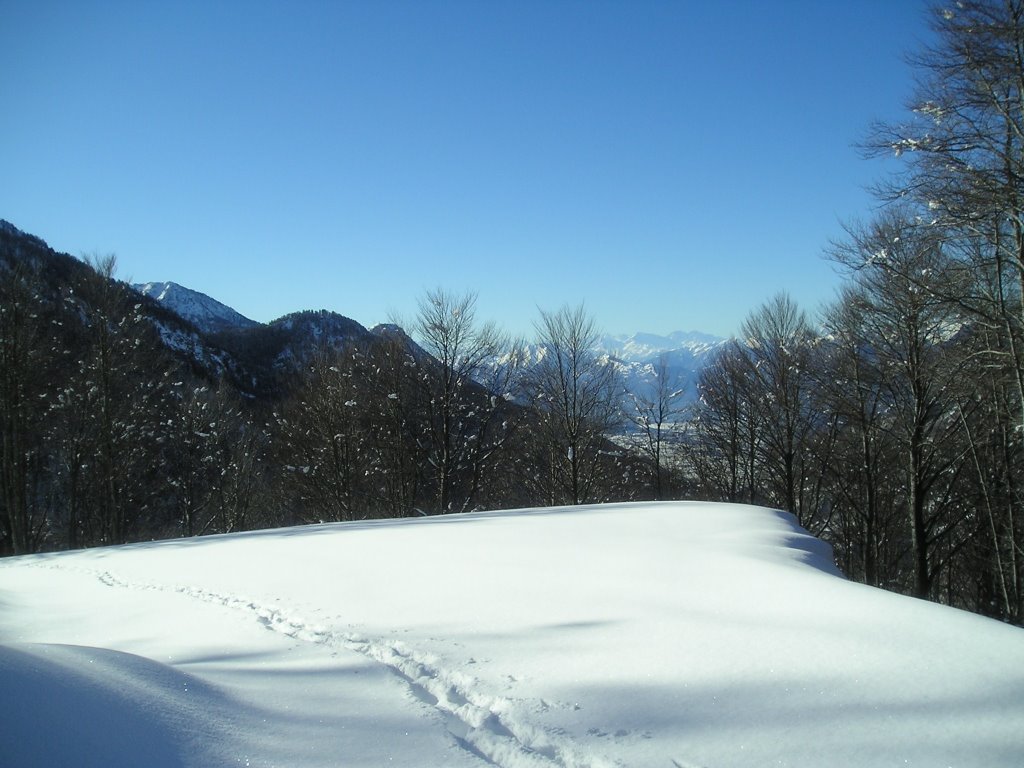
(675,634)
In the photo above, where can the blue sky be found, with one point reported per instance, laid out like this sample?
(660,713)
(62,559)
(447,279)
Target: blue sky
(670,164)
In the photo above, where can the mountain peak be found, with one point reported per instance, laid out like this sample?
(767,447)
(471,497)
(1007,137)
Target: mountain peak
(643,347)
(205,313)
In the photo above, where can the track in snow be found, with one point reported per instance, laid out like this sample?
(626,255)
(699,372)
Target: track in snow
(485,725)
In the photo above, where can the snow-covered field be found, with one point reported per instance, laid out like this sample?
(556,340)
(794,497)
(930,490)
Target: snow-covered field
(672,634)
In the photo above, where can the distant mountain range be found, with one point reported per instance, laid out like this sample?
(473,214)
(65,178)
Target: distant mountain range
(636,356)
(261,358)
(647,347)
(212,316)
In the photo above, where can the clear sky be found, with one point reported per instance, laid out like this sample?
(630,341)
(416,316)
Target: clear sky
(670,164)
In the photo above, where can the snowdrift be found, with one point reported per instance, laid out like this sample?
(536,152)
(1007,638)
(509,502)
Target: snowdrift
(669,634)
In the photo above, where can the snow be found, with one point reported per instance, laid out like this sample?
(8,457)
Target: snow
(662,634)
(648,347)
(636,357)
(204,312)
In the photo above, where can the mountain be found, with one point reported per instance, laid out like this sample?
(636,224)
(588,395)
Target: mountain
(274,352)
(208,340)
(66,292)
(639,356)
(647,347)
(261,358)
(271,353)
(207,314)
(661,634)
(283,345)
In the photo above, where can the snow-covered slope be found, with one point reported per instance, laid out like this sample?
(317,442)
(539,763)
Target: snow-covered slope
(671,634)
(205,313)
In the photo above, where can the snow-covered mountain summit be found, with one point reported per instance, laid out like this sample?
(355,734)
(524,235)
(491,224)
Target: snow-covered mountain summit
(638,358)
(647,347)
(205,313)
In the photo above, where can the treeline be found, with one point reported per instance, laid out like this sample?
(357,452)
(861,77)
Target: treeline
(112,434)
(894,436)
(895,429)
(107,436)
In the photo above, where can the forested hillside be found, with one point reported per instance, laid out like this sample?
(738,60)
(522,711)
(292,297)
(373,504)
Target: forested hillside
(893,426)
(122,421)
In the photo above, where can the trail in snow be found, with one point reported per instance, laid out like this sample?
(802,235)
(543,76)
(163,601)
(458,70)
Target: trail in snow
(486,725)
(670,635)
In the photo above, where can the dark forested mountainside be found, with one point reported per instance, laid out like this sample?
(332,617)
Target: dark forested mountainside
(259,360)
(272,354)
(122,421)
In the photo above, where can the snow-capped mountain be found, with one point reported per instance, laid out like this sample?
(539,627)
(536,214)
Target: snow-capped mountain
(639,356)
(205,313)
(646,347)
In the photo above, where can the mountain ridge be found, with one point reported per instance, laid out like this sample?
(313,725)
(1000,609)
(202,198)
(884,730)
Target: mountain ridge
(203,311)
(639,357)
(260,357)
(640,347)
(643,346)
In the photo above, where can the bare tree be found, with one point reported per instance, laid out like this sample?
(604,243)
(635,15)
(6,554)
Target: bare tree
(779,342)
(123,390)
(576,397)
(395,425)
(461,410)
(23,394)
(963,155)
(963,147)
(238,448)
(863,471)
(191,470)
(657,414)
(908,329)
(324,450)
(728,428)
